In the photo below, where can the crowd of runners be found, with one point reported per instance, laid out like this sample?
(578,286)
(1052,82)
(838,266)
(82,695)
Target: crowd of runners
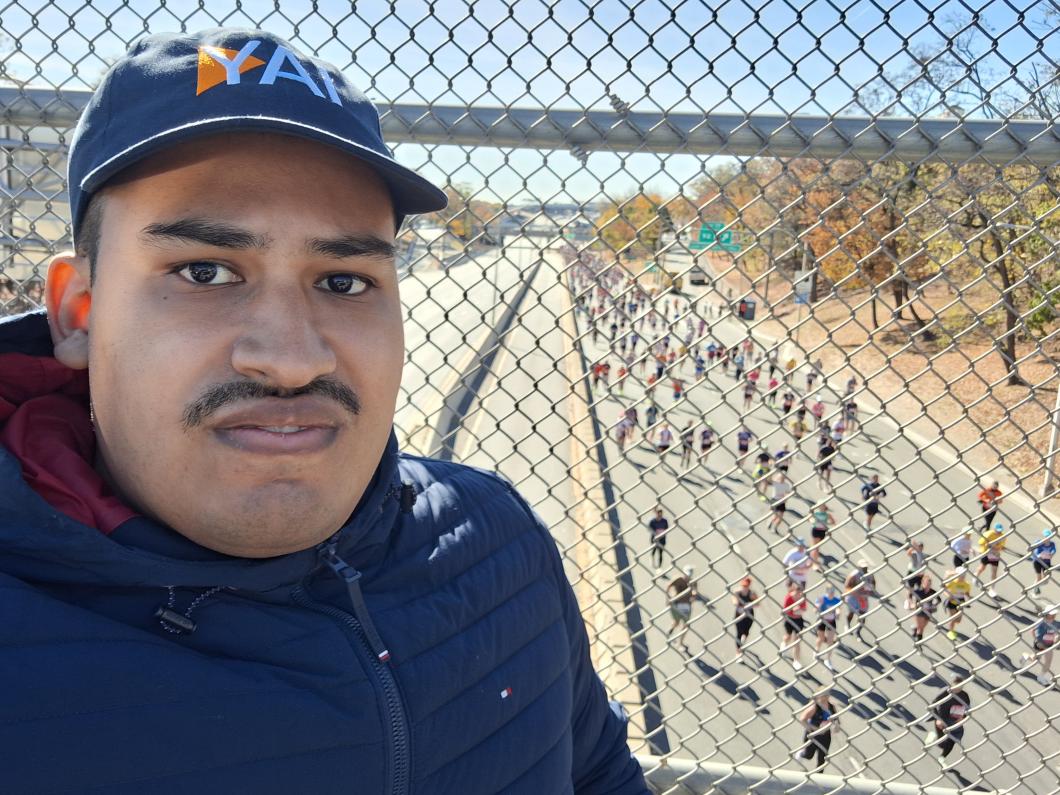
(661,345)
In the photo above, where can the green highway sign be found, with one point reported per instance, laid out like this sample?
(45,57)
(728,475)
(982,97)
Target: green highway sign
(714,235)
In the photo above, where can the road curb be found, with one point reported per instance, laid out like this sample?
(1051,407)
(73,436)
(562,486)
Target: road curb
(611,620)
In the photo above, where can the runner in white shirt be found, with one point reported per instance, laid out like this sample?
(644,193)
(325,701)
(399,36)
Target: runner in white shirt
(798,563)
(781,491)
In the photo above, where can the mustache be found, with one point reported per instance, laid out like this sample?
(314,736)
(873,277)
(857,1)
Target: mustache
(221,395)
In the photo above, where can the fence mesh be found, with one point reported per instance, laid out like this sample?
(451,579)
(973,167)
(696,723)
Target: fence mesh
(817,231)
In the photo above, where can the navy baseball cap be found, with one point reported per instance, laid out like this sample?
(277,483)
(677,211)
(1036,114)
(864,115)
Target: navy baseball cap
(171,88)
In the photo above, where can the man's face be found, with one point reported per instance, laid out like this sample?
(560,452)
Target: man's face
(232,272)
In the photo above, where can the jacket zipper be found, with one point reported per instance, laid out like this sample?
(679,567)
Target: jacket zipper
(370,641)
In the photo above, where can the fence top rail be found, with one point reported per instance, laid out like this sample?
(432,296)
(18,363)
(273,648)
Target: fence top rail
(746,135)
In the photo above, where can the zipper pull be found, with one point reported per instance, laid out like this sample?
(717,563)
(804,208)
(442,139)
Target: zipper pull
(352,578)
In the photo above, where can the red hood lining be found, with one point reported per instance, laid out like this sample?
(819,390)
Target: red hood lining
(45,424)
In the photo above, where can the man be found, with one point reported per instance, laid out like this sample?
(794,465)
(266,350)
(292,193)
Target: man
(950,710)
(782,489)
(1044,635)
(989,501)
(798,563)
(219,574)
(658,528)
(871,493)
(1042,557)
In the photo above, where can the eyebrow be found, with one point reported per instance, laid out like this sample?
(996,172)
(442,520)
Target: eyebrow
(222,235)
(206,231)
(352,246)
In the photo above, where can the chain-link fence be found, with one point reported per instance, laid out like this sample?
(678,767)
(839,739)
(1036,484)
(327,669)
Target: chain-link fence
(730,262)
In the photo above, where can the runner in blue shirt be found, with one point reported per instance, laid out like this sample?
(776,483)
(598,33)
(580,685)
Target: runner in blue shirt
(828,613)
(1045,635)
(1042,555)
(658,526)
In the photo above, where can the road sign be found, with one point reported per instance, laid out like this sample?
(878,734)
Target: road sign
(714,236)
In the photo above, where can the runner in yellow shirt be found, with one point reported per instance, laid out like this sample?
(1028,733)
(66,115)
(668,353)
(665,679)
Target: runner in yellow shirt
(958,591)
(991,545)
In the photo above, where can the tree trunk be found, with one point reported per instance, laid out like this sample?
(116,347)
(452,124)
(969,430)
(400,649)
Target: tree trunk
(1006,347)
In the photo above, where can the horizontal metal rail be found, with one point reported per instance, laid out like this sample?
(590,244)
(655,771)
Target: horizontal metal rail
(688,777)
(743,135)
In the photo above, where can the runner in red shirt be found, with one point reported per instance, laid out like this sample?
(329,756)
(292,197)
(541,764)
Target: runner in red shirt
(794,606)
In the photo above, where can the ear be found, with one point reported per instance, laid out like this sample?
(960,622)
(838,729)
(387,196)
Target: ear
(68,298)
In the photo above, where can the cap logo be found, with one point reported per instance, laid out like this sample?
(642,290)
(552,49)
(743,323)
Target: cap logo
(218,65)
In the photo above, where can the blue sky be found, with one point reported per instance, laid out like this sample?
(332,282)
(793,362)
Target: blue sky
(770,56)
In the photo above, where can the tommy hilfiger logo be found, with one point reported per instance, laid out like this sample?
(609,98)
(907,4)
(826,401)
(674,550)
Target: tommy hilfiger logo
(220,65)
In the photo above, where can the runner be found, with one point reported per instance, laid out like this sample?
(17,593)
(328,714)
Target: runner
(825,458)
(738,362)
(782,459)
(1044,636)
(782,489)
(797,563)
(962,549)
(666,440)
(688,440)
(681,591)
(950,708)
(701,367)
(789,401)
(914,571)
(1042,557)
(723,355)
(658,527)
(851,415)
(817,409)
(924,603)
(852,384)
(622,373)
(794,606)
(712,351)
(771,358)
(598,370)
(649,390)
(828,614)
(744,600)
(623,432)
(605,374)
(958,591)
(760,475)
(991,545)
(837,432)
(771,392)
(706,440)
(798,430)
(743,444)
(749,388)
(989,501)
(679,388)
(871,493)
(818,721)
(823,522)
(811,376)
(789,369)
(858,587)
(650,416)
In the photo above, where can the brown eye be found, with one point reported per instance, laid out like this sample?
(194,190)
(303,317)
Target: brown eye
(344,284)
(208,273)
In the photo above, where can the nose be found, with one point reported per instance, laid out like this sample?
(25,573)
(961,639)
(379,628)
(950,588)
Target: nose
(282,344)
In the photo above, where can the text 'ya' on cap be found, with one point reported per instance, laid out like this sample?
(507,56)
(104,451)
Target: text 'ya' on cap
(171,88)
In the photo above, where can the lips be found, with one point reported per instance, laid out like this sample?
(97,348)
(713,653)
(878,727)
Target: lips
(280,426)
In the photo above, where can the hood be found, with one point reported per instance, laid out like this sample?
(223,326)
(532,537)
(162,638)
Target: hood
(54,543)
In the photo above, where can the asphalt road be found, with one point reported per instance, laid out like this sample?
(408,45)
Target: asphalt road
(715,706)
(743,712)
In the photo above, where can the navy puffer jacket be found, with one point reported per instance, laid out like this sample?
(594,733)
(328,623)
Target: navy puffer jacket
(428,647)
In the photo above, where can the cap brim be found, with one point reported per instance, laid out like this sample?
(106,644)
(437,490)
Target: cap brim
(410,192)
